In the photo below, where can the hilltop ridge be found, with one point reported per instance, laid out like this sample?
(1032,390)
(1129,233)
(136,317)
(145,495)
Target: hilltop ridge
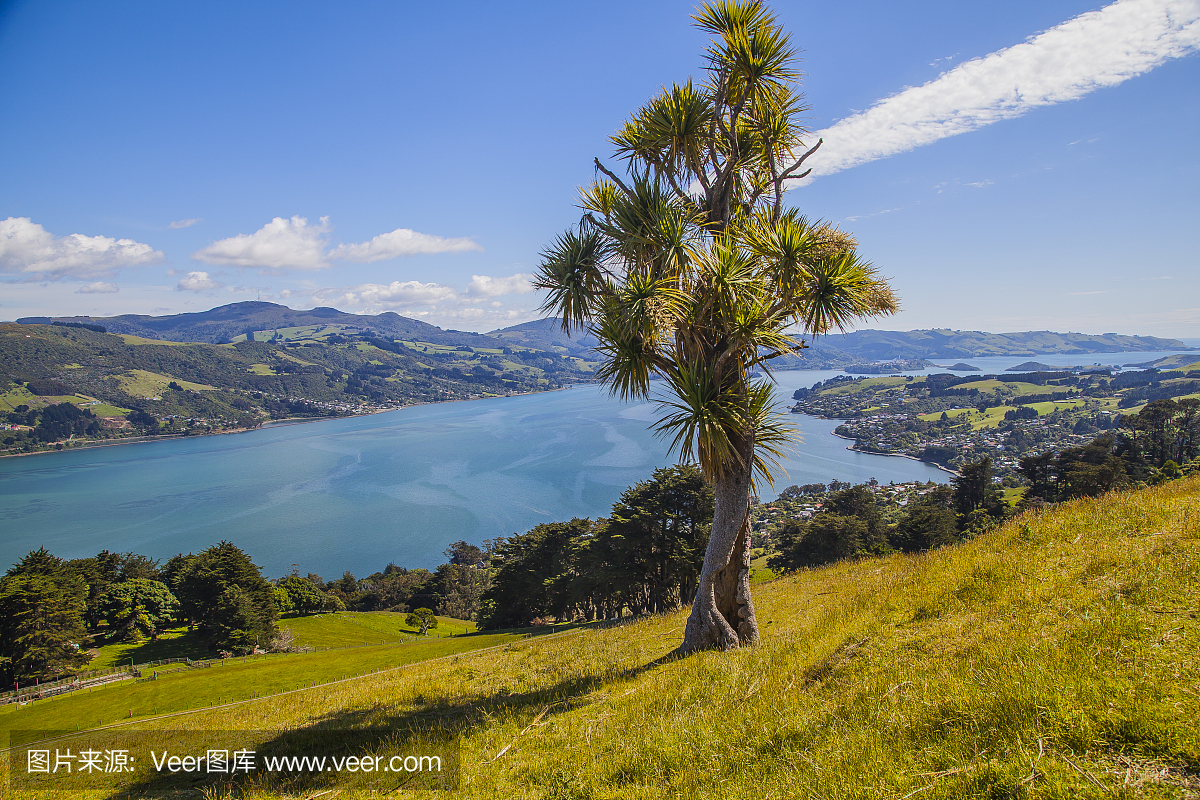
(226,323)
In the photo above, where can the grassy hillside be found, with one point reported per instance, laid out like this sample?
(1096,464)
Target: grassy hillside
(350,628)
(200,388)
(178,688)
(344,629)
(223,323)
(1054,657)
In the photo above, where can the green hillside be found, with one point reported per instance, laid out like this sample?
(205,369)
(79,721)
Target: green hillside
(200,388)
(223,323)
(1054,657)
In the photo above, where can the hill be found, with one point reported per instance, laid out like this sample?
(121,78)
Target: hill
(231,322)
(1183,362)
(226,323)
(547,334)
(870,345)
(1053,657)
(123,384)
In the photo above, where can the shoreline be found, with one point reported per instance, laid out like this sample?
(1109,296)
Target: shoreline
(274,423)
(890,455)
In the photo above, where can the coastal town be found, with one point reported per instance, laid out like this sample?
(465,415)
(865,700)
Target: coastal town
(950,420)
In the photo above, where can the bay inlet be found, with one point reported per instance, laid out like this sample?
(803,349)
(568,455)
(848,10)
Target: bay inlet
(356,493)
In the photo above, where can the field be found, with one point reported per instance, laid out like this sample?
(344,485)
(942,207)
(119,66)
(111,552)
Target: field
(178,688)
(344,629)
(131,339)
(141,383)
(349,628)
(1054,657)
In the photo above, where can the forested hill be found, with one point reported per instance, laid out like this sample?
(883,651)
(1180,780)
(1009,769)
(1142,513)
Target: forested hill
(940,343)
(231,323)
(66,382)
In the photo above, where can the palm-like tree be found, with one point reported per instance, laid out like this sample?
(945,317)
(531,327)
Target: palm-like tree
(691,270)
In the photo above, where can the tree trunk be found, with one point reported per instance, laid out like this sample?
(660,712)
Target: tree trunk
(723,613)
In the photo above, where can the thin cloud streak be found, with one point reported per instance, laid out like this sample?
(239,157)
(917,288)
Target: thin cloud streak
(1094,50)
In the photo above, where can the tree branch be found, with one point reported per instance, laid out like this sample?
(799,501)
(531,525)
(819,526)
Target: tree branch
(614,178)
(787,172)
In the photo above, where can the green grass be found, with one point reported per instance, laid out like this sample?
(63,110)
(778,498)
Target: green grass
(933,416)
(142,383)
(1055,657)
(16,397)
(173,643)
(105,410)
(227,681)
(868,383)
(21,396)
(344,629)
(990,418)
(348,628)
(131,339)
(1012,496)
(1050,406)
(1187,367)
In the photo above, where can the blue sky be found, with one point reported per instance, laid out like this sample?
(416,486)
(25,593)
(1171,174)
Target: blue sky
(417,157)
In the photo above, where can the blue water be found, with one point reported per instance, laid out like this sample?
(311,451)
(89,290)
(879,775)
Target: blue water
(354,494)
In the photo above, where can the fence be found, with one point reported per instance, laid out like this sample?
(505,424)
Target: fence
(81,680)
(98,677)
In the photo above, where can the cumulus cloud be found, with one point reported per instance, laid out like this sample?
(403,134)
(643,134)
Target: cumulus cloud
(197,282)
(280,244)
(98,287)
(384,296)
(399,243)
(33,253)
(487,286)
(293,244)
(1094,50)
(184,223)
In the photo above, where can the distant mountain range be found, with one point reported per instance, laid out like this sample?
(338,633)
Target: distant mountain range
(225,323)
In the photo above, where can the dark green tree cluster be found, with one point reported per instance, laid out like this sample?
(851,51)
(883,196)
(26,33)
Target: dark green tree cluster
(303,596)
(1159,443)
(851,523)
(454,589)
(51,424)
(42,632)
(138,609)
(223,593)
(645,558)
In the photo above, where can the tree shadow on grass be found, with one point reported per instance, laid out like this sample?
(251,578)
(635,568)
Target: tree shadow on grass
(433,727)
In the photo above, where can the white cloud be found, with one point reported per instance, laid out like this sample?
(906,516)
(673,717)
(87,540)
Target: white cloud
(1097,49)
(184,223)
(197,282)
(30,251)
(284,244)
(399,243)
(387,296)
(485,286)
(876,214)
(280,244)
(98,287)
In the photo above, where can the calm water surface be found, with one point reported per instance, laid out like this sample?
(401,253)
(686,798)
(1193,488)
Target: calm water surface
(354,494)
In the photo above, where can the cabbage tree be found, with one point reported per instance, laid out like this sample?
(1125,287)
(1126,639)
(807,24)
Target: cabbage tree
(688,268)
